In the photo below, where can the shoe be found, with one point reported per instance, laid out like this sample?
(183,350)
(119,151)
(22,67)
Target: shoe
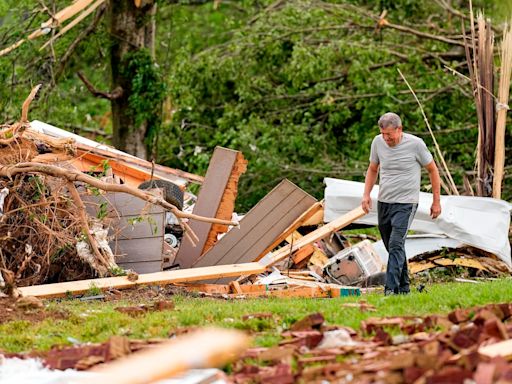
(389,292)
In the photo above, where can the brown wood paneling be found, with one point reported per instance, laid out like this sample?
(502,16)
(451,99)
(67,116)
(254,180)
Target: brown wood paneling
(261,226)
(208,201)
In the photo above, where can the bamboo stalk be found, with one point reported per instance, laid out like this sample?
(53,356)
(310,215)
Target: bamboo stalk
(438,149)
(502,108)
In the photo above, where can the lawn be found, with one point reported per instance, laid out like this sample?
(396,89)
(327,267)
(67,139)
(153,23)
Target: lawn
(96,321)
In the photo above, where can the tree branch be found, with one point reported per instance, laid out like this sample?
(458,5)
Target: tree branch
(115,94)
(82,35)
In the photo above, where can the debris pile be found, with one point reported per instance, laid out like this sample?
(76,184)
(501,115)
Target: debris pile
(47,233)
(468,344)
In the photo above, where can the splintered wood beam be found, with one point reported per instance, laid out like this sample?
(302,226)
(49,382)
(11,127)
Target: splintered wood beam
(206,348)
(227,202)
(157,278)
(216,199)
(319,234)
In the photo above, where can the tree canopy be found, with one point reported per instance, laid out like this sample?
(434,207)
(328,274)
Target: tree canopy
(296,85)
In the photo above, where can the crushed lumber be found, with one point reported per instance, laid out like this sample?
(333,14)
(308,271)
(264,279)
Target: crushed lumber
(156,278)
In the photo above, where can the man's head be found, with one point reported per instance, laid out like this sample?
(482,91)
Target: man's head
(390,126)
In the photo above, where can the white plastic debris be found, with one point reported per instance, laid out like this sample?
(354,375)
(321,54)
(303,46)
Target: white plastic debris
(336,339)
(32,371)
(481,222)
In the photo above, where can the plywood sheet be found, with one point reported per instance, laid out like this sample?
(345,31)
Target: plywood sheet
(260,226)
(208,201)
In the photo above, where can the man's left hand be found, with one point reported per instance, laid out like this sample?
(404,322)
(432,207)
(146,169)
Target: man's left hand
(435,209)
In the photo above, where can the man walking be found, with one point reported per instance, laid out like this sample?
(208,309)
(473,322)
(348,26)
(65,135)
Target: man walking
(399,156)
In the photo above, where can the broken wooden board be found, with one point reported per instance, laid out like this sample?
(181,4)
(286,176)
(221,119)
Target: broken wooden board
(216,199)
(289,292)
(310,212)
(259,228)
(320,233)
(156,278)
(257,290)
(201,349)
(439,261)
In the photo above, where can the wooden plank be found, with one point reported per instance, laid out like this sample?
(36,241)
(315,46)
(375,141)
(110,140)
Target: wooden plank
(302,253)
(208,201)
(319,234)
(260,227)
(227,203)
(289,292)
(317,218)
(312,211)
(235,287)
(156,278)
(200,349)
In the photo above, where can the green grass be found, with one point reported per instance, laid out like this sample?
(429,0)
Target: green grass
(97,321)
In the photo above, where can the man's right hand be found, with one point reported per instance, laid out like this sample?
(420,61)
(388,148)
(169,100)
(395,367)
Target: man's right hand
(366,203)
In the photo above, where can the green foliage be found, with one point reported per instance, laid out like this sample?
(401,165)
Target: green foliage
(147,89)
(97,321)
(93,290)
(299,92)
(297,87)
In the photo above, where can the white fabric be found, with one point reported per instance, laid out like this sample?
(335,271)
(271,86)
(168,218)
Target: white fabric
(418,244)
(481,222)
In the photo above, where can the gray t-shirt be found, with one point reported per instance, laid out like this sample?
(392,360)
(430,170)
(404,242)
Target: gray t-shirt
(400,168)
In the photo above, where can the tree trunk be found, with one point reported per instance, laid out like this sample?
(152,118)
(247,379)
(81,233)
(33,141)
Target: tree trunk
(131,30)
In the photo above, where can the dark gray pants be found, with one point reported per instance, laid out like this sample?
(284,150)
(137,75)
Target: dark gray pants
(394,221)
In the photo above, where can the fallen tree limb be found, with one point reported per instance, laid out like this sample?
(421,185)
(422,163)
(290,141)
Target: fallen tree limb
(71,175)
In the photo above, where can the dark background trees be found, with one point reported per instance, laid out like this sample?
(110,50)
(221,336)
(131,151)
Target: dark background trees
(296,85)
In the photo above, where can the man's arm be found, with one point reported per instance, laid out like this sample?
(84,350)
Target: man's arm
(435,181)
(369,182)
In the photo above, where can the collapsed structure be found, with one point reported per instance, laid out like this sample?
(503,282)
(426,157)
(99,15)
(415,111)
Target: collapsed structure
(74,209)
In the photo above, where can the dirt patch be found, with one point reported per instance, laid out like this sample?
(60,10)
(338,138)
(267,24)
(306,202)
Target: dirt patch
(14,310)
